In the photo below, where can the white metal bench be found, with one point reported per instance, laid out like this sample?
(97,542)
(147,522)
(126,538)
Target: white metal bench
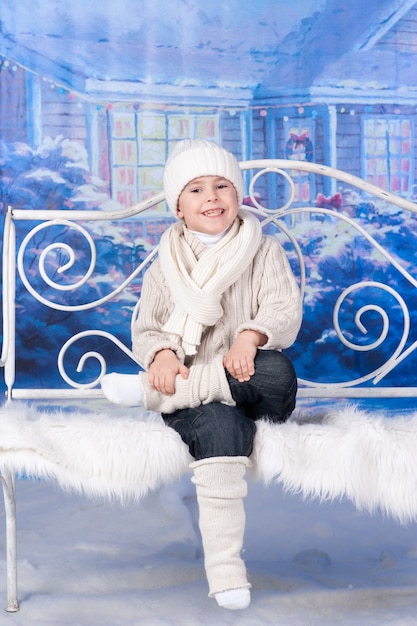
(45,263)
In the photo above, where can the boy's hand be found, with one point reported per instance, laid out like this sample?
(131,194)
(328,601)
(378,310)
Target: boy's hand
(240,360)
(163,370)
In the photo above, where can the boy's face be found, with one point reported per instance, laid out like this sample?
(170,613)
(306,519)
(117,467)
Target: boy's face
(208,204)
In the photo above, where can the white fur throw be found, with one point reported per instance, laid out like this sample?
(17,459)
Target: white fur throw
(93,453)
(369,459)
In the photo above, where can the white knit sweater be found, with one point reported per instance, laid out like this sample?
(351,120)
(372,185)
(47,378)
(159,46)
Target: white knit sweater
(265,298)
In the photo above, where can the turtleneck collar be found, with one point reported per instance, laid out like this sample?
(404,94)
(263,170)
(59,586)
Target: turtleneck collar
(209,240)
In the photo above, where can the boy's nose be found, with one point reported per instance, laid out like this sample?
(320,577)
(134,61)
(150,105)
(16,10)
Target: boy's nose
(212,195)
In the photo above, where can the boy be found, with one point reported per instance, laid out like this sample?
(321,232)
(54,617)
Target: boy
(217,308)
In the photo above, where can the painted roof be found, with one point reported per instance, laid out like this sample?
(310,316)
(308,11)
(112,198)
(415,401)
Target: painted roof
(236,50)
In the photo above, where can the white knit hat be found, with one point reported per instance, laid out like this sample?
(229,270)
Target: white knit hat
(192,158)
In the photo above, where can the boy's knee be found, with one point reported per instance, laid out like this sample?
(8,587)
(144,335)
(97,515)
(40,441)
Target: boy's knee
(271,364)
(272,359)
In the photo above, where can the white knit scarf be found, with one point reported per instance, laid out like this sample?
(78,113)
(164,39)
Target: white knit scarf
(197,285)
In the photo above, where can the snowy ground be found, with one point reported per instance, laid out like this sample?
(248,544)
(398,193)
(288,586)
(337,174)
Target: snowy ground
(84,563)
(90,563)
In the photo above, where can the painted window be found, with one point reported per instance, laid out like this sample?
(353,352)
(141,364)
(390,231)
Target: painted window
(387,153)
(124,157)
(140,144)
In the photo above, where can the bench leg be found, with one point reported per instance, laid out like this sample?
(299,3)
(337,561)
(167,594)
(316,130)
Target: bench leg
(9,494)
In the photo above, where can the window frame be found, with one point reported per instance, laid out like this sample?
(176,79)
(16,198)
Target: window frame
(172,126)
(385,177)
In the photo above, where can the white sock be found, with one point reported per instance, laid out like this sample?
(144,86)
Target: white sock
(124,389)
(234,599)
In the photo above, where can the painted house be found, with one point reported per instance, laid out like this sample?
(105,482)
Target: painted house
(328,81)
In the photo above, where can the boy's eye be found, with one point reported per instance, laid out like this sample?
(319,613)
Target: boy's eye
(222,185)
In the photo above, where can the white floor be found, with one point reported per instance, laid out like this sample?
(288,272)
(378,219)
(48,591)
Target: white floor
(84,563)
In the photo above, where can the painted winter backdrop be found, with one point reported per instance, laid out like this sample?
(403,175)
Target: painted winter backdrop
(56,175)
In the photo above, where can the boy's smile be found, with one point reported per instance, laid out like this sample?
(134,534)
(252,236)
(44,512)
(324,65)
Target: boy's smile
(208,204)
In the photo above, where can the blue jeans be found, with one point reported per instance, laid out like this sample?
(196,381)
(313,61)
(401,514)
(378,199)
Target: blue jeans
(216,429)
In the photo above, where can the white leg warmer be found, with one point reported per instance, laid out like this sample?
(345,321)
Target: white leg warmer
(205,383)
(221,487)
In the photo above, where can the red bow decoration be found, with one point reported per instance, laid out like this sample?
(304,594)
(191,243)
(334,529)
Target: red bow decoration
(299,139)
(334,202)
